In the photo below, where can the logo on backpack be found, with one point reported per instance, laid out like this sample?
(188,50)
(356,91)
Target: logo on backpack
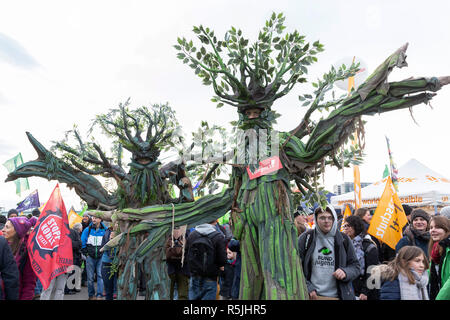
(201,256)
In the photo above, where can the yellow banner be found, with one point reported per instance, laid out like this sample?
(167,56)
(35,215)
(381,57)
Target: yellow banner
(389,218)
(73,218)
(347,213)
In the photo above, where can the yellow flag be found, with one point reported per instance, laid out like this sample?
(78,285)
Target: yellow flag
(389,218)
(357,187)
(73,218)
(347,213)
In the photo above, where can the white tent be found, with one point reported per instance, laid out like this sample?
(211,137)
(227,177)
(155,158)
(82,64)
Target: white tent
(417,186)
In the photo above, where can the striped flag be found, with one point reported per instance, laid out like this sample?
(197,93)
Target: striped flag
(394,170)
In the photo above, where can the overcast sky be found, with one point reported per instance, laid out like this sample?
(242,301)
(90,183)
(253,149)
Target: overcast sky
(63,62)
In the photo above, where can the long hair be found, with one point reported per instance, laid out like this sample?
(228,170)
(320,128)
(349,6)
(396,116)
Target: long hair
(443,223)
(401,261)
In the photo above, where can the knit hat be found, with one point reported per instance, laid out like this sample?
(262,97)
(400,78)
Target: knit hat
(420,213)
(445,211)
(21,224)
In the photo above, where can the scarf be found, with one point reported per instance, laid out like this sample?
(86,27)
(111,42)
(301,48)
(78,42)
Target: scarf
(357,243)
(423,236)
(417,291)
(435,255)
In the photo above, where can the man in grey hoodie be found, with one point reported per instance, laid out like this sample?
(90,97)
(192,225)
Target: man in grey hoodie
(329,260)
(206,254)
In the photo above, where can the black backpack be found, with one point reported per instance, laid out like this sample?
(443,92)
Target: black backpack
(202,256)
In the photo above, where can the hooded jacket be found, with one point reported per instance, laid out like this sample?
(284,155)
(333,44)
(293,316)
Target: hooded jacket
(91,240)
(333,248)
(218,241)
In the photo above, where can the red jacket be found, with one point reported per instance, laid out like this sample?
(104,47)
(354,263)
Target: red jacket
(27,276)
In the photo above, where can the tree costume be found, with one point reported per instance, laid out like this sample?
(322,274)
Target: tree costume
(248,78)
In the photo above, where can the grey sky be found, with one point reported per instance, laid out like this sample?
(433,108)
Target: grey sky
(95,54)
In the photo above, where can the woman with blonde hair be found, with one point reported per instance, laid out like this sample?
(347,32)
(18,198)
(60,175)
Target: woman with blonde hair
(439,251)
(406,276)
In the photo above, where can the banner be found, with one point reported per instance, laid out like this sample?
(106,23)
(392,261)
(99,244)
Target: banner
(347,213)
(394,170)
(30,202)
(11,165)
(73,217)
(389,218)
(49,245)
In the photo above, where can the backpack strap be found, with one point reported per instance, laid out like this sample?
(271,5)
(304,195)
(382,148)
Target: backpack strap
(308,241)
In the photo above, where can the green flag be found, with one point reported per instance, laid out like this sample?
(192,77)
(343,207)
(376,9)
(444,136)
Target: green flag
(386,172)
(11,165)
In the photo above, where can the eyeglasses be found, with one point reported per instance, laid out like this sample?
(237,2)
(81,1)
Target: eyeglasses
(325,218)
(345,226)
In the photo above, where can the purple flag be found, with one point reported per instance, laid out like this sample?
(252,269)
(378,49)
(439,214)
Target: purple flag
(32,201)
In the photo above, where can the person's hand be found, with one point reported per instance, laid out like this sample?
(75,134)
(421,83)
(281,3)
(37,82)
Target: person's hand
(362,296)
(313,295)
(339,274)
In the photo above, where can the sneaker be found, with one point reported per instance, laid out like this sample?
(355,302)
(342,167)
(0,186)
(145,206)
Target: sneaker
(100,298)
(92,298)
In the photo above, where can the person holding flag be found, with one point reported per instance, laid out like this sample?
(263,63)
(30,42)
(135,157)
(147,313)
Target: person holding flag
(50,248)
(15,232)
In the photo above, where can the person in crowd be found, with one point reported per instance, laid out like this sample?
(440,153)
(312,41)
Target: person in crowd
(55,290)
(109,276)
(75,236)
(234,246)
(300,221)
(227,276)
(206,256)
(418,233)
(3,220)
(406,277)
(86,221)
(328,257)
(367,253)
(15,232)
(445,212)
(177,267)
(407,209)
(12,213)
(91,241)
(439,252)
(9,273)
(365,215)
(36,212)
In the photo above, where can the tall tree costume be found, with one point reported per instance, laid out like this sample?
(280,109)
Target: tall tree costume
(245,77)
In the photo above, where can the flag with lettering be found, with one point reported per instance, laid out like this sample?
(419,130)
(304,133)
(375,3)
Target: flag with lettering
(30,202)
(389,218)
(49,245)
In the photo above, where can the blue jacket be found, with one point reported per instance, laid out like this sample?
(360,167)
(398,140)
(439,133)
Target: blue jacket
(91,240)
(390,290)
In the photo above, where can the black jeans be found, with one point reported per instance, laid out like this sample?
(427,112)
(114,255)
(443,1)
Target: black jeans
(108,280)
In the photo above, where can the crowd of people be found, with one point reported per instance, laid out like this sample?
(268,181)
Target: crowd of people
(340,260)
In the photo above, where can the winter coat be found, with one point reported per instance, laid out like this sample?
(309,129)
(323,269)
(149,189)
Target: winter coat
(76,246)
(9,273)
(370,259)
(412,238)
(226,279)
(218,241)
(91,240)
(390,290)
(440,274)
(234,246)
(27,276)
(345,259)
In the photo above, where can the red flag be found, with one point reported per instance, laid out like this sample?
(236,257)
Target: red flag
(50,248)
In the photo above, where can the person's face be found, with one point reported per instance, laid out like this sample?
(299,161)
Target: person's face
(85,219)
(348,230)
(253,113)
(367,217)
(300,219)
(8,230)
(436,233)
(96,221)
(325,221)
(417,264)
(230,254)
(420,224)
(12,215)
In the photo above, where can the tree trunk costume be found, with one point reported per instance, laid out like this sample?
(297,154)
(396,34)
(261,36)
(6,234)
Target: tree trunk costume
(245,77)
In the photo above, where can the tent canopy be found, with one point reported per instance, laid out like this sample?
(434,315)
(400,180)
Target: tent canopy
(418,185)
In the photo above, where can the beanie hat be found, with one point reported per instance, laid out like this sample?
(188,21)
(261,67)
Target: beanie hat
(420,213)
(445,211)
(21,224)
(407,209)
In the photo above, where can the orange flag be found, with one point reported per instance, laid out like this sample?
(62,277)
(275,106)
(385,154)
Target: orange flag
(347,213)
(389,218)
(357,187)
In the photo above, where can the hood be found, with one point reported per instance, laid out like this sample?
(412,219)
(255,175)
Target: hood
(333,230)
(205,228)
